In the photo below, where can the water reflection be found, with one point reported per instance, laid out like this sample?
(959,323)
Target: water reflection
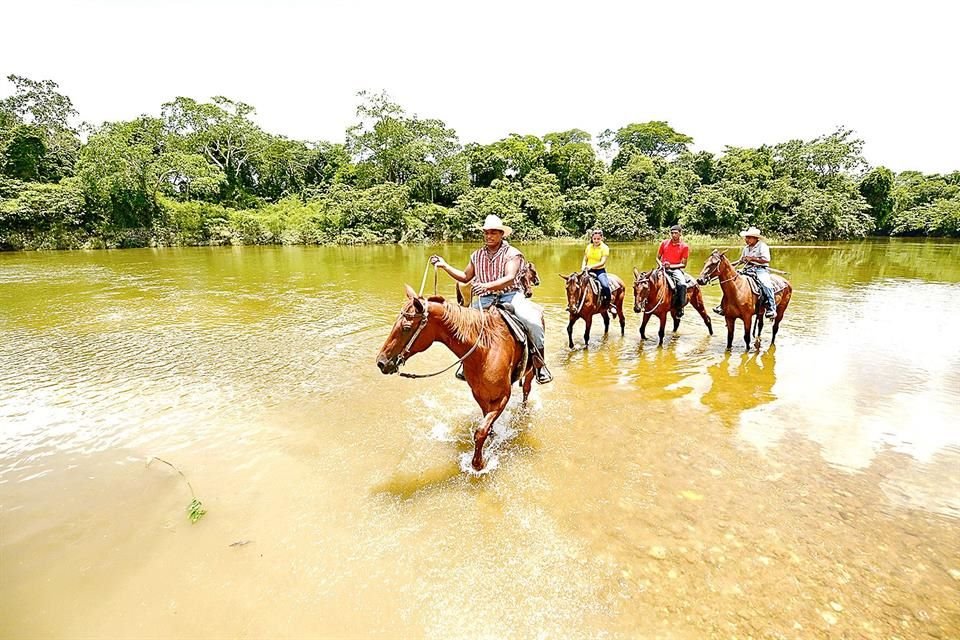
(740,382)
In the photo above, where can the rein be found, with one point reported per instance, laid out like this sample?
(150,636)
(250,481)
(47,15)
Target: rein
(402,358)
(660,301)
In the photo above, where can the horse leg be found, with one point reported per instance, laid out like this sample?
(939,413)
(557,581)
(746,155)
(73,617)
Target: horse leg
(623,323)
(731,325)
(747,321)
(606,322)
(570,330)
(759,330)
(676,323)
(696,301)
(663,325)
(586,332)
(643,326)
(480,435)
(781,309)
(527,383)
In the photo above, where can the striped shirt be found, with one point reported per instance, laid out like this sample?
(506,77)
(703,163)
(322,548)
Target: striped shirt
(488,267)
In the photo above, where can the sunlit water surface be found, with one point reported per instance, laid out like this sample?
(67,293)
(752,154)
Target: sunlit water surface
(808,490)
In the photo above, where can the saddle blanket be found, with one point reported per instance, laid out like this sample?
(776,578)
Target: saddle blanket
(595,284)
(691,283)
(779,284)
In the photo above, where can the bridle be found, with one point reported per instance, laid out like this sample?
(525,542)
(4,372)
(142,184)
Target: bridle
(660,301)
(716,276)
(424,317)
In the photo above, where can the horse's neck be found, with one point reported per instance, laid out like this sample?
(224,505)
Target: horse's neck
(730,280)
(458,337)
(659,289)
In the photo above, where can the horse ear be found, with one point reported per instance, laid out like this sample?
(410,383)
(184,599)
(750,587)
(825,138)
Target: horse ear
(563,276)
(459,296)
(410,292)
(636,273)
(724,252)
(418,304)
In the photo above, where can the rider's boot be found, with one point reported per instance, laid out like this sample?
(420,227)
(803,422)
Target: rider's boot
(540,368)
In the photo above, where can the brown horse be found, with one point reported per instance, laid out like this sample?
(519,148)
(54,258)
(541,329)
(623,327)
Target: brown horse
(490,354)
(652,296)
(739,302)
(582,302)
(528,278)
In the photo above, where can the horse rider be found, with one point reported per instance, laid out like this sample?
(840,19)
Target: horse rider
(493,271)
(595,261)
(673,255)
(756,255)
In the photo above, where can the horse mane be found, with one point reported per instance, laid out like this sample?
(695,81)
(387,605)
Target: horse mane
(466,324)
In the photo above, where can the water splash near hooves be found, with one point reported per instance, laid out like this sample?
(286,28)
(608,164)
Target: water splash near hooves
(492,462)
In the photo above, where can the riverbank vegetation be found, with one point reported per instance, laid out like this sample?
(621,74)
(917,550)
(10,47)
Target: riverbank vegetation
(205,173)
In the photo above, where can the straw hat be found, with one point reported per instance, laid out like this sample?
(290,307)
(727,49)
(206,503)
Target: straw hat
(494,223)
(752,232)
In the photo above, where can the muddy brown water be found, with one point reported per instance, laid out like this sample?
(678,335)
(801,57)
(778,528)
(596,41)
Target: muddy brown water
(808,490)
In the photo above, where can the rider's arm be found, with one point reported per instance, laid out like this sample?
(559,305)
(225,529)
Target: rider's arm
(460,276)
(583,263)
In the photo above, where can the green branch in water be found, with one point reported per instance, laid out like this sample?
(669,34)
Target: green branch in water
(195,509)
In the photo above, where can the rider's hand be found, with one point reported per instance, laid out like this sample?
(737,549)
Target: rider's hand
(437,261)
(479,288)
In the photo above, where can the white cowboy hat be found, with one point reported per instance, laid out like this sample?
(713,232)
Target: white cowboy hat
(494,223)
(752,232)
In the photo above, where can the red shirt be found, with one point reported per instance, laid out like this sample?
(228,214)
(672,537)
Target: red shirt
(673,253)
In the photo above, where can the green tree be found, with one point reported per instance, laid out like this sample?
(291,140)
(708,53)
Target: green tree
(36,110)
(125,166)
(390,146)
(570,156)
(221,131)
(655,139)
(876,187)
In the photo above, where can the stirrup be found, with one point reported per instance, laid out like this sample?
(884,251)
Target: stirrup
(459,374)
(543,375)
(718,310)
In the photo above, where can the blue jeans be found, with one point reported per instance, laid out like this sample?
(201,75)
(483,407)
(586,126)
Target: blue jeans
(604,282)
(766,285)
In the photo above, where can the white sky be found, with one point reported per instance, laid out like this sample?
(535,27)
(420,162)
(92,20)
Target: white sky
(737,73)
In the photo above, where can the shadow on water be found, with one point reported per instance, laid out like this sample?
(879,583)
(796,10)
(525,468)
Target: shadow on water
(740,382)
(405,484)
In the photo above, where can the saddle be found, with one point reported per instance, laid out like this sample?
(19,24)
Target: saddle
(779,284)
(509,315)
(595,284)
(691,283)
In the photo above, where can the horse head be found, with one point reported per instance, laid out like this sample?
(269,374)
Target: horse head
(711,268)
(528,279)
(641,289)
(403,339)
(575,290)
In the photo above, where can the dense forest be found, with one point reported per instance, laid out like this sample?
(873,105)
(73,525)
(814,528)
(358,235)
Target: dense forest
(206,173)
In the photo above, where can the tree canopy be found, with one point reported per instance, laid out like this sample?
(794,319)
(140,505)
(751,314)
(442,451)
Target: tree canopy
(205,172)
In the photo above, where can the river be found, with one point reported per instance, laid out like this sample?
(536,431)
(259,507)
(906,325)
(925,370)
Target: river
(808,490)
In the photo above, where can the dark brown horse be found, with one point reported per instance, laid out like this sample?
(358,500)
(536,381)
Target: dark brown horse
(652,296)
(490,354)
(583,303)
(528,278)
(739,301)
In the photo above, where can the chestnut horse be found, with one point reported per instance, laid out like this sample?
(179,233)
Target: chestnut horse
(652,296)
(739,302)
(582,302)
(481,339)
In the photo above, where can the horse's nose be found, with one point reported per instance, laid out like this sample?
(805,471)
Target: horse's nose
(385,365)
(636,308)
(701,281)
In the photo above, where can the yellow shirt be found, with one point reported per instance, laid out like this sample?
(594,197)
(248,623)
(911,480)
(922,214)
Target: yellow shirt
(594,254)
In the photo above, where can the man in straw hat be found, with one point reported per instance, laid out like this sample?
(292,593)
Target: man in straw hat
(493,270)
(756,255)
